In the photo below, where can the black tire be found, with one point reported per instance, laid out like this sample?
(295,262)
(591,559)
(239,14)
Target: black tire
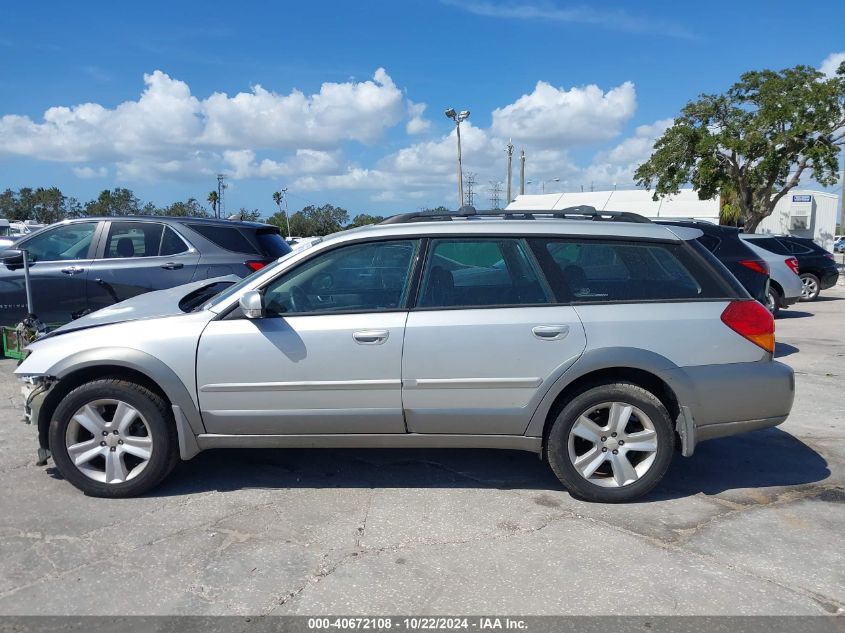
(164,453)
(815,283)
(773,300)
(557,443)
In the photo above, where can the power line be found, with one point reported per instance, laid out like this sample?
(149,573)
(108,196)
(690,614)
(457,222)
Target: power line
(468,186)
(495,191)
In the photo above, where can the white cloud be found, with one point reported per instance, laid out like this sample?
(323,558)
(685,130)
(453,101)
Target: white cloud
(90,172)
(831,63)
(417,124)
(169,123)
(552,116)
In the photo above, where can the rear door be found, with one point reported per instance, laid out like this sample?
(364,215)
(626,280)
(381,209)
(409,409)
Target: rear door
(485,340)
(137,257)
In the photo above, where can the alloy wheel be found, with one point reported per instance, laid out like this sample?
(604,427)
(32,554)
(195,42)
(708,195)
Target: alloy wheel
(109,441)
(612,444)
(809,288)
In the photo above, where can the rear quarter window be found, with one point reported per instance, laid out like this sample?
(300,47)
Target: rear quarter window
(226,237)
(770,244)
(587,271)
(272,244)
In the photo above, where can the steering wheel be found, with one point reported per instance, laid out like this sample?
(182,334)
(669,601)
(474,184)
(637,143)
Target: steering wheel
(299,300)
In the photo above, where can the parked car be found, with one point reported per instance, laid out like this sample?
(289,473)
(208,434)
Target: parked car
(785,285)
(600,345)
(839,244)
(816,266)
(78,266)
(750,269)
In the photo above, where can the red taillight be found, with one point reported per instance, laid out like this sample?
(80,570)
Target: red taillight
(830,256)
(255,265)
(793,264)
(753,321)
(757,265)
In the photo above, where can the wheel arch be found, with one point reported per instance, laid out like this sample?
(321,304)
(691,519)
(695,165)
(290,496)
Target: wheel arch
(129,364)
(649,370)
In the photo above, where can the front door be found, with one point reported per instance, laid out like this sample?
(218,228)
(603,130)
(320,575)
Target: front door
(60,258)
(485,341)
(327,356)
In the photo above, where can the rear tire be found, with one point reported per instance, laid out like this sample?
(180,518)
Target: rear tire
(810,287)
(773,300)
(113,438)
(612,443)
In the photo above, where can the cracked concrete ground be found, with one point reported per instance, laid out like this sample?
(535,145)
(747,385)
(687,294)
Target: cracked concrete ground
(749,525)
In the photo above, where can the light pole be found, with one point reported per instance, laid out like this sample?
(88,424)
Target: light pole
(543,183)
(458,118)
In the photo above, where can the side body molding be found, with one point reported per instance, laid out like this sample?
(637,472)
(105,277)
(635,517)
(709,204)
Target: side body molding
(187,417)
(612,357)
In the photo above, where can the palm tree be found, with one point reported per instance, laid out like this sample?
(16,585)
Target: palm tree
(278,197)
(214,199)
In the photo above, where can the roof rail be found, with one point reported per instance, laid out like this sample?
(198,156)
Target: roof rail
(580,212)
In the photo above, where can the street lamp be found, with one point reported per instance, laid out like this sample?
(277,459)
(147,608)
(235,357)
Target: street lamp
(543,183)
(458,118)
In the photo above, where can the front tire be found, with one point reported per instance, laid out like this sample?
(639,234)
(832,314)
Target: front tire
(810,287)
(612,443)
(113,438)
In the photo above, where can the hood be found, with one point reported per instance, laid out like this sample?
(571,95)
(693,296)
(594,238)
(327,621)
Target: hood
(159,303)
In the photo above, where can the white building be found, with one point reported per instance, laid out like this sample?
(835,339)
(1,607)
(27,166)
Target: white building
(801,212)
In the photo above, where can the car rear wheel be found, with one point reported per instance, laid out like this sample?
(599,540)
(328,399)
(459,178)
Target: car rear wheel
(773,300)
(612,443)
(113,438)
(810,288)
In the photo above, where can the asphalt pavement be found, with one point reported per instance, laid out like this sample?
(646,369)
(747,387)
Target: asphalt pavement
(749,525)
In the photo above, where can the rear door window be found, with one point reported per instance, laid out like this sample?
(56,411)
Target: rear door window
(581,270)
(133,239)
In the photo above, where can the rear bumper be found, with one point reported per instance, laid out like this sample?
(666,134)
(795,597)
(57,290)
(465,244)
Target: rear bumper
(829,279)
(721,400)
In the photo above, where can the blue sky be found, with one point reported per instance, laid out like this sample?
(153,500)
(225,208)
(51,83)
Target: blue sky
(343,101)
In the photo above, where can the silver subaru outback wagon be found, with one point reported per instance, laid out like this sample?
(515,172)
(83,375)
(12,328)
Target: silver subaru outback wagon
(600,341)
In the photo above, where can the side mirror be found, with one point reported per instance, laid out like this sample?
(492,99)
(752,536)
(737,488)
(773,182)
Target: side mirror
(13,257)
(252,304)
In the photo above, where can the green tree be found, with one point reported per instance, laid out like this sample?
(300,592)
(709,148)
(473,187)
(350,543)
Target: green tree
(213,200)
(8,204)
(26,205)
(120,201)
(249,216)
(363,219)
(282,220)
(190,208)
(755,141)
(323,220)
(48,205)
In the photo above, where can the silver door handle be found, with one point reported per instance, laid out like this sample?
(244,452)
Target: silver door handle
(370,337)
(173,265)
(72,270)
(550,332)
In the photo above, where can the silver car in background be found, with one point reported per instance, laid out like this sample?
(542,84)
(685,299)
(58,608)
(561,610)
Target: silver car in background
(600,341)
(785,286)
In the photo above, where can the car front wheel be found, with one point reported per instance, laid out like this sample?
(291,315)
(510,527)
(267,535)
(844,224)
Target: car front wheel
(611,443)
(113,438)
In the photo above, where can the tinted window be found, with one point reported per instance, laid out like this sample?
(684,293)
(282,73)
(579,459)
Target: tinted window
(595,270)
(272,244)
(361,277)
(770,244)
(133,239)
(481,272)
(709,242)
(171,243)
(796,248)
(226,237)
(70,241)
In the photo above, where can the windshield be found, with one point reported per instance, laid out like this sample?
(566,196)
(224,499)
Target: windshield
(235,288)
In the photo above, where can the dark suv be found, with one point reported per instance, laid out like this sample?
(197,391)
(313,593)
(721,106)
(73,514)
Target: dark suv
(723,241)
(81,265)
(816,266)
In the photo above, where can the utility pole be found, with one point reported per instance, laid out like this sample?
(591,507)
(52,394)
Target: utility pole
(509,150)
(495,191)
(470,194)
(221,187)
(842,195)
(459,118)
(522,172)
(285,200)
